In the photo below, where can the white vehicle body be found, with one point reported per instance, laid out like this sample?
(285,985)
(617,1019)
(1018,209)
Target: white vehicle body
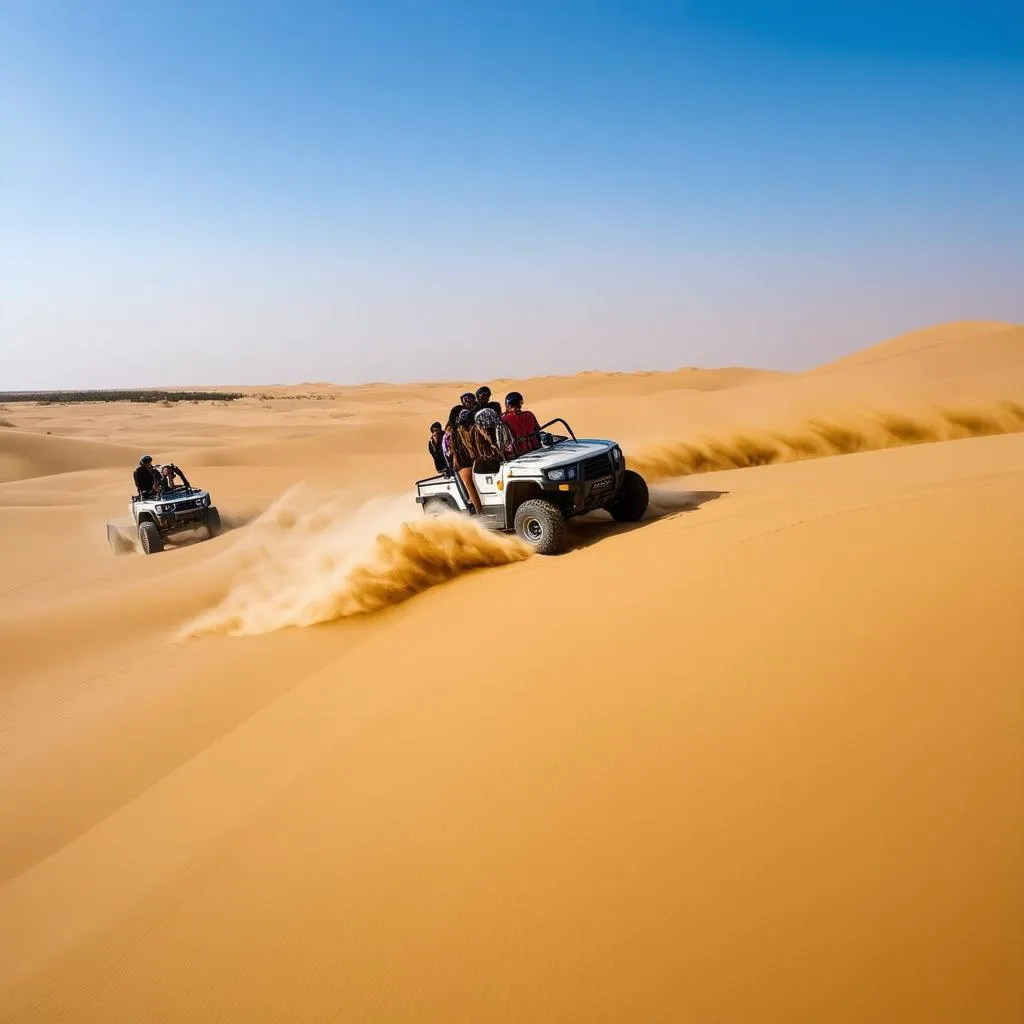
(571,475)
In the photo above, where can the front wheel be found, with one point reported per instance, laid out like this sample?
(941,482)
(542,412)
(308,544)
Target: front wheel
(541,525)
(212,522)
(150,539)
(631,499)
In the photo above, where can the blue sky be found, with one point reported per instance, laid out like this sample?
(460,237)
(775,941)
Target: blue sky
(259,192)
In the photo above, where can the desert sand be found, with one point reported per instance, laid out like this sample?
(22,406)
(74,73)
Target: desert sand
(757,758)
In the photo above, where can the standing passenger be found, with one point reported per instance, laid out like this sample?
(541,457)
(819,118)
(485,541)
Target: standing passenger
(488,451)
(464,455)
(147,479)
(483,401)
(466,401)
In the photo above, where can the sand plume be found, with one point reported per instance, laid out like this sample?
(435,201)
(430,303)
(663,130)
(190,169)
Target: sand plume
(819,438)
(310,560)
(124,540)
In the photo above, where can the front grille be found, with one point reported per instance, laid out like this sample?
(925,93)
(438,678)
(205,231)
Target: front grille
(597,467)
(184,508)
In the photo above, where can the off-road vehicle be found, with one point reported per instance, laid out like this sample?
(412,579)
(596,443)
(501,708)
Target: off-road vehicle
(173,511)
(533,494)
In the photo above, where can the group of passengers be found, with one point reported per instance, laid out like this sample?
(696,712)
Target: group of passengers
(478,437)
(150,481)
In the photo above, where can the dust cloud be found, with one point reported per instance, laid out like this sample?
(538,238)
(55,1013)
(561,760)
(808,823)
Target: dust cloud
(310,559)
(819,438)
(124,540)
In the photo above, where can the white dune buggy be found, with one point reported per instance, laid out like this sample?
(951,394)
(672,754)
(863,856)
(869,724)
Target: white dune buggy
(532,495)
(174,511)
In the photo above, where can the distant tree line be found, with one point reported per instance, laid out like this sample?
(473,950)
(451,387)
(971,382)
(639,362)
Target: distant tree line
(47,397)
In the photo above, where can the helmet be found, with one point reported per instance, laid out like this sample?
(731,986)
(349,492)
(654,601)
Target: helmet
(513,398)
(145,460)
(465,418)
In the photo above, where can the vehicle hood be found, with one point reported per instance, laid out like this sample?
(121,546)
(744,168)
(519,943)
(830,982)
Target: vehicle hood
(566,453)
(182,501)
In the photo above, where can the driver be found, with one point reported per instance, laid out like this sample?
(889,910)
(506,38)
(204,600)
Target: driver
(167,475)
(147,479)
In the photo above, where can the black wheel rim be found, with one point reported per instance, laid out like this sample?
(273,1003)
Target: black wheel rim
(533,529)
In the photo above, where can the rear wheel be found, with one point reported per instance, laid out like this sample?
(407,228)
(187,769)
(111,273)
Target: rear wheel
(150,539)
(631,500)
(541,525)
(212,522)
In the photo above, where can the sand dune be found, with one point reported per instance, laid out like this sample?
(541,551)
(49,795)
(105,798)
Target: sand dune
(758,757)
(24,455)
(956,335)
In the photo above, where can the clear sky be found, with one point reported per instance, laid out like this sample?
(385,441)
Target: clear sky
(255,192)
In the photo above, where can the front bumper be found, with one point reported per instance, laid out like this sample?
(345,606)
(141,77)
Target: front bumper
(183,518)
(577,497)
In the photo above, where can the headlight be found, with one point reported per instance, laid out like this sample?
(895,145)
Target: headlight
(556,474)
(160,510)
(562,473)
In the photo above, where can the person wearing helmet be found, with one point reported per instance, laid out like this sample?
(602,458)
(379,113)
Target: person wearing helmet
(147,478)
(483,401)
(521,423)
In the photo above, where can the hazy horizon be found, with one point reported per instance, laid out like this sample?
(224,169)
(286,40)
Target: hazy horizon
(268,193)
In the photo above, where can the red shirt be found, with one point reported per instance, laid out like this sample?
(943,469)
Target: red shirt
(522,425)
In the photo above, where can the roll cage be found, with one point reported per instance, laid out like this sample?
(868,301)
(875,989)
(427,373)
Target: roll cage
(183,488)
